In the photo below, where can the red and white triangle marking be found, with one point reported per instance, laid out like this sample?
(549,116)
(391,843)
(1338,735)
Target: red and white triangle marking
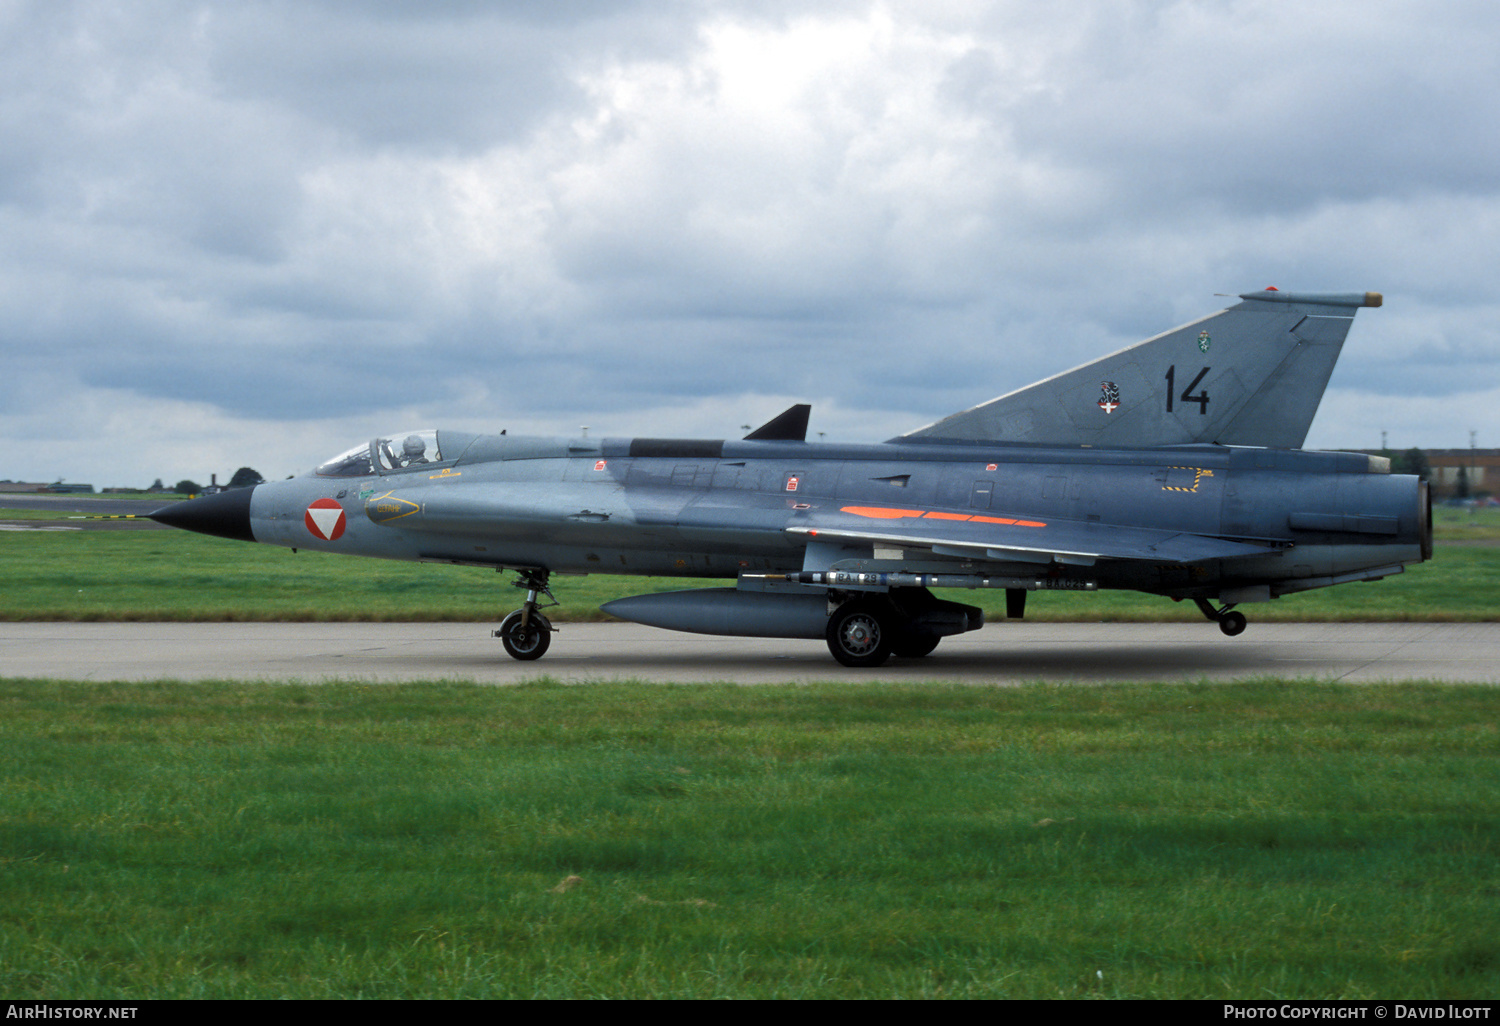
(325,519)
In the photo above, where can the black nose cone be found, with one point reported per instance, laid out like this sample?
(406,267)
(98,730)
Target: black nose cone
(226,514)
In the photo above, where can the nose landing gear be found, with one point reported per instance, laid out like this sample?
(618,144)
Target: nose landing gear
(526,633)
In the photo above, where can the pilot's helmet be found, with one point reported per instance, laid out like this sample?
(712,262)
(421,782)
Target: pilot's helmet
(413,446)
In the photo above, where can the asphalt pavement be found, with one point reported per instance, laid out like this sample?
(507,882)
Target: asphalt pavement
(1000,654)
(77,509)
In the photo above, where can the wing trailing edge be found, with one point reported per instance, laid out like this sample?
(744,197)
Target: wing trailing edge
(1016,540)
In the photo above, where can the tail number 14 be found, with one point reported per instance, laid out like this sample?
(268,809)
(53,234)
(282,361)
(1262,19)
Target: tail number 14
(1187,393)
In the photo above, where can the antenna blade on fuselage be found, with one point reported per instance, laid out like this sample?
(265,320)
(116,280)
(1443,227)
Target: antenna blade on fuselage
(790,426)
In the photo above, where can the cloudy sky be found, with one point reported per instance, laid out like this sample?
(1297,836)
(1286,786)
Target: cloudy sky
(257,232)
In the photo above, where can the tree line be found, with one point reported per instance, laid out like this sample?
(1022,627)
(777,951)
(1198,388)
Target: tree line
(245,477)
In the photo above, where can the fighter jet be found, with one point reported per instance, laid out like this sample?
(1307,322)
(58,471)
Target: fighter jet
(1171,467)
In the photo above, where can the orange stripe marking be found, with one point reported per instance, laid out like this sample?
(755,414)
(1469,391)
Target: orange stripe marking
(886,513)
(880,513)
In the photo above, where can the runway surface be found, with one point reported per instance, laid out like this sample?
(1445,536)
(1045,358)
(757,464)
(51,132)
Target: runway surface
(75,508)
(1004,653)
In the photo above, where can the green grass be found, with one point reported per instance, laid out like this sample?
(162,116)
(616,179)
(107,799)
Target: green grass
(1257,840)
(34,514)
(177,575)
(1451,524)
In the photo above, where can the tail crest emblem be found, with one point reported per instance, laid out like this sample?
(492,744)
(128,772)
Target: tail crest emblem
(1109,397)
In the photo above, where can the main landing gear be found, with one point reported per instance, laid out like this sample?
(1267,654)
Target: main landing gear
(860,634)
(526,633)
(1229,621)
(865,632)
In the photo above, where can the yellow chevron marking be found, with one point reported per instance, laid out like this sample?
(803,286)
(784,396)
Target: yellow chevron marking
(1198,475)
(387,508)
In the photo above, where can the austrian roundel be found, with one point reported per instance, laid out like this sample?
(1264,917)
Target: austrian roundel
(325,519)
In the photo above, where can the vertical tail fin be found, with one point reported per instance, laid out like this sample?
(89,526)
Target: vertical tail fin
(1249,375)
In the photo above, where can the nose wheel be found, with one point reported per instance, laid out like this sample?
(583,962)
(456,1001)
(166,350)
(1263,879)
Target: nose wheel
(1230,621)
(525,637)
(526,633)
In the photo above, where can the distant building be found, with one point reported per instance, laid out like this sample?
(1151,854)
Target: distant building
(55,488)
(1482,466)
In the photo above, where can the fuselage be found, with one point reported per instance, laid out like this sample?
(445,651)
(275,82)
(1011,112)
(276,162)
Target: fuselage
(696,508)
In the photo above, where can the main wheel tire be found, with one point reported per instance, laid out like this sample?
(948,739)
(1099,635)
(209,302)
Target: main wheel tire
(859,634)
(914,644)
(529,642)
(1232,623)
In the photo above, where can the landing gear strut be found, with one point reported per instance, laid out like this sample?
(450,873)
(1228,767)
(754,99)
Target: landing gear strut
(1229,621)
(526,633)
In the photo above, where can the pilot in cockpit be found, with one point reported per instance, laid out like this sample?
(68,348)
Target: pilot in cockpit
(413,451)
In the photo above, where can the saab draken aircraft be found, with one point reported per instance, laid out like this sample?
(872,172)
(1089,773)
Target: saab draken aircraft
(1172,467)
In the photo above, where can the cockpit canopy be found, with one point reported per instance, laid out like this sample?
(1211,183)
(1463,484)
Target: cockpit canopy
(399,451)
